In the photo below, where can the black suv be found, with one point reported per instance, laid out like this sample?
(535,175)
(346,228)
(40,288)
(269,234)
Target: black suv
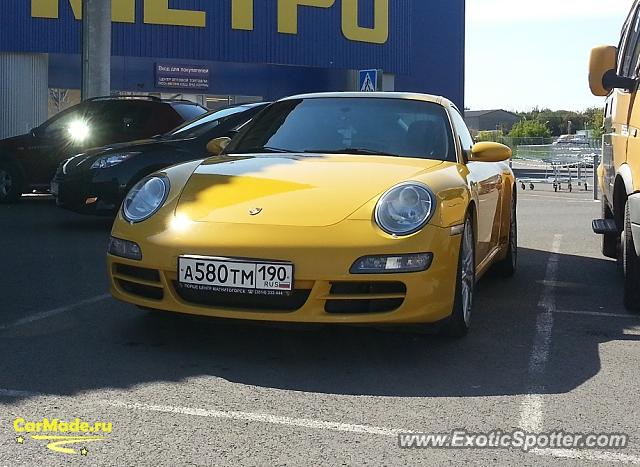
(28,162)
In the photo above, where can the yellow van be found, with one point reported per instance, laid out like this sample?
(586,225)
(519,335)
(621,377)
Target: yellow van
(614,72)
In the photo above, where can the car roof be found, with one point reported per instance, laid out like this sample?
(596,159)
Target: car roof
(377,95)
(247,105)
(140,98)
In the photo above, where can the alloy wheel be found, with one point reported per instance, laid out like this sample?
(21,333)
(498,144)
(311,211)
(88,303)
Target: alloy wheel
(468,273)
(513,236)
(6,183)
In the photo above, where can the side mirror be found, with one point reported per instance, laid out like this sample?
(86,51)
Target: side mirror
(490,152)
(217,145)
(602,72)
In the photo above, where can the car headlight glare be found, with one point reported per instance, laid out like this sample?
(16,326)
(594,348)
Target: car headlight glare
(78,130)
(145,198)
(405,209)
(112,159)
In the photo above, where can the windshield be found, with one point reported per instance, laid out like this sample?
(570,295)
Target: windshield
(376,126)
(205,123)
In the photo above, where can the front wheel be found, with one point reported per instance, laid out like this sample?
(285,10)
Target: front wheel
(610,242)
(630,265)
(507,267)
(460,319)
(10,182)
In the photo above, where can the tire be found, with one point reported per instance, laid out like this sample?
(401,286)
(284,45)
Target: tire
(631,265)
(508,266)
(460,320)
(610,242)
(11,182)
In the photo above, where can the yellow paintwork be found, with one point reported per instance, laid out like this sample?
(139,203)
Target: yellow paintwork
(487,151)
(620,165)
(601,61)
(318,214)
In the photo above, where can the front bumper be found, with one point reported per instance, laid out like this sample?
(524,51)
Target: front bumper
(82,194)
(325,291)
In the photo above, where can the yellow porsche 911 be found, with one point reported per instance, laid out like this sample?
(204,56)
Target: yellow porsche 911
(354,208)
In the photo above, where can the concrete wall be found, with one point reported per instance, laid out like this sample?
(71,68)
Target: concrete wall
(24,92)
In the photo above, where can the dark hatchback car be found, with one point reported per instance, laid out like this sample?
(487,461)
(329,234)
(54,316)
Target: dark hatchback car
(28,162)
(97,181)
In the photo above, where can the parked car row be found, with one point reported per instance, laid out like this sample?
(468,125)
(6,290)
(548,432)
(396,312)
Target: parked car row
(28,162)
(360,208)
(95,182)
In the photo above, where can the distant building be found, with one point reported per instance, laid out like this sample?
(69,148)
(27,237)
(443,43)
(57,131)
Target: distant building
(490,120)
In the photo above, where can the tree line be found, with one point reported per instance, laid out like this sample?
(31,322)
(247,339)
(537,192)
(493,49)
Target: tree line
(546,123)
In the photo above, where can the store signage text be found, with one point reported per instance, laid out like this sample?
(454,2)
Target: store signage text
(242,15)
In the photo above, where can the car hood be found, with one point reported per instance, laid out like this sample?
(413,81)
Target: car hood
(85,160)
(15,143)
(294,190)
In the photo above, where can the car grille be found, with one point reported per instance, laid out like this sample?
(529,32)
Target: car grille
(365,297)
(142,282)
(138,273)
(344,297)
(293,302)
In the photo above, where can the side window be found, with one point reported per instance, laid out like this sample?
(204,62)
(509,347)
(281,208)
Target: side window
(125,118)
(189,111)
(630,47)
(164,119)
(60,123)
(466,140)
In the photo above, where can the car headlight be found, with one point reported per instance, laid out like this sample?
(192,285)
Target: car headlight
(145,198)
(405,208)
(112,159)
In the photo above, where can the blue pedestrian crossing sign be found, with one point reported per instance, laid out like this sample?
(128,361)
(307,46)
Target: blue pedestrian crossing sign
(368,81)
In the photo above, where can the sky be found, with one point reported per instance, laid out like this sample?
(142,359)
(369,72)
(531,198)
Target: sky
(522,54)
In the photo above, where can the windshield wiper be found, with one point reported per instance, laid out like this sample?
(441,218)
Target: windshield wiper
(267,149)
(352,151)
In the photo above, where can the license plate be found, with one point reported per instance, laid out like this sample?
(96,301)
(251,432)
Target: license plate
(55,188)
(235,275)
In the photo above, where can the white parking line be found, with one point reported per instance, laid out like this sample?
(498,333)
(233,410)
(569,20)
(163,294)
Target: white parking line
(597,313)
(262,418)
(531,413)
(54,312)
(588,455)
(592,455)
(16,393)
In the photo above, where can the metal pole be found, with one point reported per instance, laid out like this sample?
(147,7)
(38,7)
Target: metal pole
(96,48)
(596,163)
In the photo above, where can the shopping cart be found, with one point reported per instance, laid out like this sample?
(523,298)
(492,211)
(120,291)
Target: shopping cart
(567,165)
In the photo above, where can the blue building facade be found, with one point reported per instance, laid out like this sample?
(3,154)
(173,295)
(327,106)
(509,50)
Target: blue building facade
(267,48)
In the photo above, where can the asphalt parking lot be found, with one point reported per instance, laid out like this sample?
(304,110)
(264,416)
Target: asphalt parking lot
(552,348)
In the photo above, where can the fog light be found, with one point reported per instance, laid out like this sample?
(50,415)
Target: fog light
(124,249)
(392,263)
